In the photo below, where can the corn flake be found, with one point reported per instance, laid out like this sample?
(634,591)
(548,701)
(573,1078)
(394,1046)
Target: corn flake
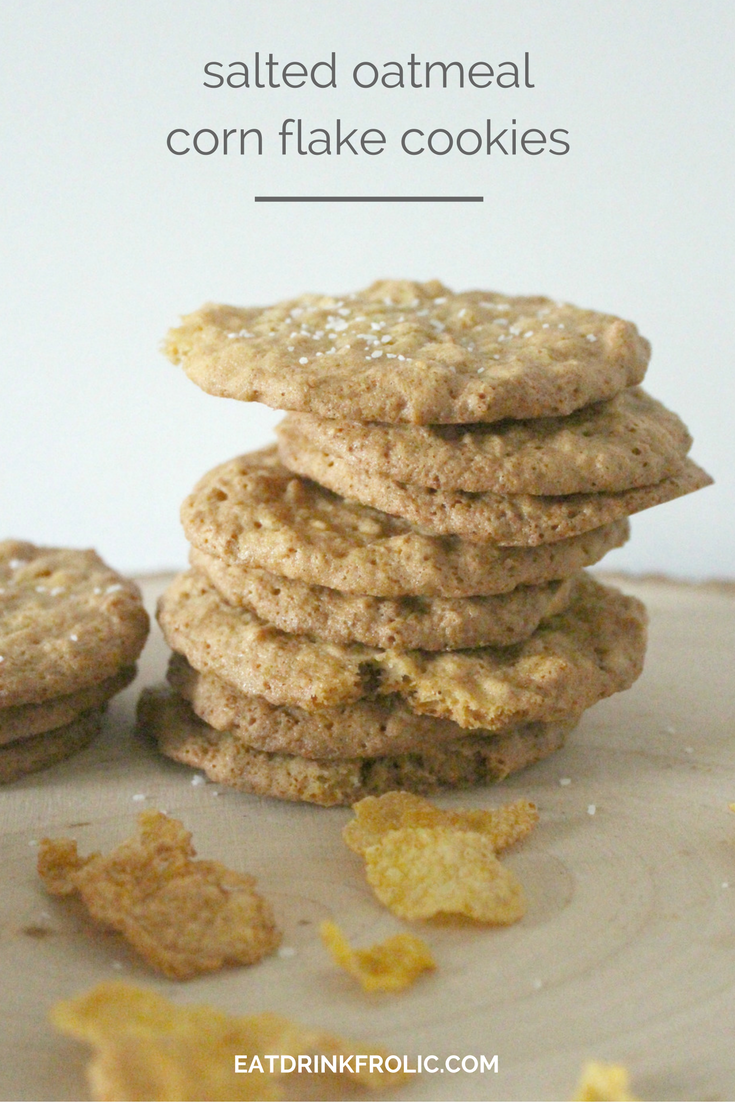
(183,916)
(419,872)
(603,1083)
(148,1048)
(375,815)
(391,965)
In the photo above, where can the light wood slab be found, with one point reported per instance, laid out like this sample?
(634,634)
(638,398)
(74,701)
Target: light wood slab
(627,952)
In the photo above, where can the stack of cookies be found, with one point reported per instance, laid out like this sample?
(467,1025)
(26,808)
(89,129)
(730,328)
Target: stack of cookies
(395,597)
(71,630)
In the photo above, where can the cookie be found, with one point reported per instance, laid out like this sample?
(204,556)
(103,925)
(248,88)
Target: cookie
(512,520)
(67,621)
(252,511)
(28,755)
(426,623)
(591,650)
(227,760)
(401,351)
(368,728)
(630,441)
(25,720)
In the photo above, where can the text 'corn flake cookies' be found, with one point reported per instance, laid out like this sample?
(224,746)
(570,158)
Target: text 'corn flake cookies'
(631,440)
(375,816)
(419,872)
(227,759)
(183,916)
(391,965)
(412,352)
(252,511)
(67,621)
(513,520)
(591,650)
(147,1048)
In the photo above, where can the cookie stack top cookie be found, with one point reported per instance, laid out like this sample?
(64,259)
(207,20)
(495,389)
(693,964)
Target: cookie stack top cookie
(411,352)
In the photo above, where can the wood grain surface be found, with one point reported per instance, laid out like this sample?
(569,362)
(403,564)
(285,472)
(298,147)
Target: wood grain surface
(627,952)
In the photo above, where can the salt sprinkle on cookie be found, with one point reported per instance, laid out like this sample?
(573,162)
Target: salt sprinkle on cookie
(402,351)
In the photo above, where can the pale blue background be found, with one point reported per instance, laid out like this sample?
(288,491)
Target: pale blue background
(107,238)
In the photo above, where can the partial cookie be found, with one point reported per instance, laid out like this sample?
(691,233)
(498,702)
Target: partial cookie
(28,755)
(366,729)
(25,720)
(67,621)
(252,511)
(591,650)
(630,441)
(226,759)
(426,623)
(414,352)
(512,520)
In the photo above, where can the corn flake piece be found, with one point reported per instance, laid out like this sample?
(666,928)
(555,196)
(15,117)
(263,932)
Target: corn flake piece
(419,872)
(391,965)
(603,1083)
(183,916)
(377,814)
(148,1048)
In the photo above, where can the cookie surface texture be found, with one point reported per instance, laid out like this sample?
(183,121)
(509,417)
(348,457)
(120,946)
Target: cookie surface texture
(26,720)
(253,511)
(374,727)
(630,441)
(520,520)
(402,351)
(226,760)
(426,623)
(28,755)
(591,650)
(67,621)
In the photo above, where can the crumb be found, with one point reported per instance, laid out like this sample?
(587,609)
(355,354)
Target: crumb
(391,965)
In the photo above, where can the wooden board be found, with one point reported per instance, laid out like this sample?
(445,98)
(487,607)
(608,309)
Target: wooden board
(627,952)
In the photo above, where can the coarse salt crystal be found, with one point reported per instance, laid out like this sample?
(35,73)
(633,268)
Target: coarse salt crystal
(304,360)
(591,809)
(376,355)
(564,781)
(286,951)
(139,796)
(591,337)
(113,588)
(74,638)
(197,780)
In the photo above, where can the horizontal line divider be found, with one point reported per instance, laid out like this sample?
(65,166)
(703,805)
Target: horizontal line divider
(369,198)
